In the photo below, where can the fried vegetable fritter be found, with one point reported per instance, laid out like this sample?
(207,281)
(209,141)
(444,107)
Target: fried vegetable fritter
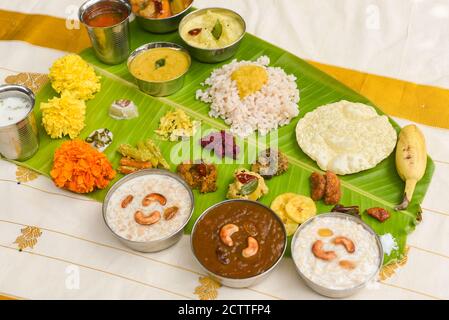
(317,186)
(332,193)
(325,186)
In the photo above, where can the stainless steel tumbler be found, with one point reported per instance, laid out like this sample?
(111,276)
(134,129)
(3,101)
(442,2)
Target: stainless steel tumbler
(110,44)
(20,140)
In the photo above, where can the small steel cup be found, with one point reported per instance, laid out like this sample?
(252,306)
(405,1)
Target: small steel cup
(163,25)
(110,44)
(19,141)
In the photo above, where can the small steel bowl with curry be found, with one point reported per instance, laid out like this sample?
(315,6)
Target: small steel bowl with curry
(159,67)
(239,242)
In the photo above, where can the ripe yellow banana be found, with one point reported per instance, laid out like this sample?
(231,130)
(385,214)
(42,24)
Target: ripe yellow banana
(411,160)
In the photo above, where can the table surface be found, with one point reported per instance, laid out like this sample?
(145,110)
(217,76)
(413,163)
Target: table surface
(73,256)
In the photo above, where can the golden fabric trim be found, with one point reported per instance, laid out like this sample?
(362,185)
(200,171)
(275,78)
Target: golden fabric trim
(441,161)
(34,81)
(42,30)
(180,267)
(390,269)
(49,192)
(430,251)
(102,271)
(411,290)
(28,238)
(7,296)
(208,288)
(134,254)
(25,175)
(420,103)
(435,211)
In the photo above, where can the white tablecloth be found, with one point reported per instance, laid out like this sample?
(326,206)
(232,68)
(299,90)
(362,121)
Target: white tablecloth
(76,257)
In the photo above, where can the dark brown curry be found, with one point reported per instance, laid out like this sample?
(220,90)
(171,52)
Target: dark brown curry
(238,239)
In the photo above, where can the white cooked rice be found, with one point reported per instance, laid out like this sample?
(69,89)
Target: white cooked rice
(269,108)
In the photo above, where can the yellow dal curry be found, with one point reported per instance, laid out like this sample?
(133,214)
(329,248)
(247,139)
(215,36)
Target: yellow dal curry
(249,79)
(160,64)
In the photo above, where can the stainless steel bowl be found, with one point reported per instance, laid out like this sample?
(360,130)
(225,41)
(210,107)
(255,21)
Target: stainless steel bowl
(213,55)
(155,245)
(159,88)
(337,293)
(233,282)
(164,25)
(110,44)
(19,141)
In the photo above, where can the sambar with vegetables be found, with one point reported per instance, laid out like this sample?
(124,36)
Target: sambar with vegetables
(160,64)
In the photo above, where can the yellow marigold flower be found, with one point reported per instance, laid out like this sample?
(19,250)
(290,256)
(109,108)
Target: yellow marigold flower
(72,73)
(63,116)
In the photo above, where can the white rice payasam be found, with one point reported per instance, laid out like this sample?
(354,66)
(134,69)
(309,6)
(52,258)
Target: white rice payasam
(330,274)
(122,221)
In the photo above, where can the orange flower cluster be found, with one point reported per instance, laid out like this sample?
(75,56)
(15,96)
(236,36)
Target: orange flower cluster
(80,168)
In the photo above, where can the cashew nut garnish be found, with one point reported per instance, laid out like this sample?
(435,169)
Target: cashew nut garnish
(347,243)
(251,249)
(143,219)
(226,233)
(154,197)
(127,200)
(346,264)
(317,250)
(170,213)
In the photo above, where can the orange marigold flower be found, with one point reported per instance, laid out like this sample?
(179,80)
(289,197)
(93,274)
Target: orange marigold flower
(80,168)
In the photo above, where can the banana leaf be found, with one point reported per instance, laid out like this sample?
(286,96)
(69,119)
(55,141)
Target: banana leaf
(380,186)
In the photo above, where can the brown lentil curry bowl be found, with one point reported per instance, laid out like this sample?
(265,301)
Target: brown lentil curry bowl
(233,260)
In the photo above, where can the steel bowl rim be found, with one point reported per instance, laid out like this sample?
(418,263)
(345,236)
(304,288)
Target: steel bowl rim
(188,16)
(339,215)
(23,89)
(168,18)
(257,276)
(153,45)
(139,173)
(87,4)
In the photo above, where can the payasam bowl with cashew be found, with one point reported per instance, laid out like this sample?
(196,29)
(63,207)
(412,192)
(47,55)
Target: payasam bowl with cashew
(337,254)
(239,242)
(148,210)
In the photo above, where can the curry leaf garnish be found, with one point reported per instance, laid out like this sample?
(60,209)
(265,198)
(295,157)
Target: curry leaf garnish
(217,30)
(160,63)
(249,187)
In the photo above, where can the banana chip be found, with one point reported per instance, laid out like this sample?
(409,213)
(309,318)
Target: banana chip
(300,208)
(290,227)
(278,206)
